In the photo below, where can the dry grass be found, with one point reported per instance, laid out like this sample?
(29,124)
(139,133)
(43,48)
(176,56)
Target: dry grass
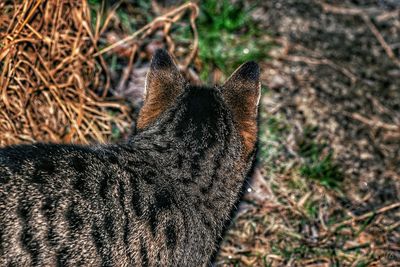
(54,83)
(49,78)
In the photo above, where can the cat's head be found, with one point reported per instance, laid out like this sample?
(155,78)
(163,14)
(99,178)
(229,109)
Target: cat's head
(167,92)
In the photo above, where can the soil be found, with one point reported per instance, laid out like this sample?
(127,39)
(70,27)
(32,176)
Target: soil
(334,74)
(336,69)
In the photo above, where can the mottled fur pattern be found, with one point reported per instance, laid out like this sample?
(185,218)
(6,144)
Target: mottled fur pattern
(160,199)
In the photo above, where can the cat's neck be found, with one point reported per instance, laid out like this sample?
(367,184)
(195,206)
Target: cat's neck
(203,163)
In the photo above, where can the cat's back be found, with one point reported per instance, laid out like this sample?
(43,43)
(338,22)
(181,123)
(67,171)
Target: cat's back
(61,204)
(161,199)
(70,171)
(46,164)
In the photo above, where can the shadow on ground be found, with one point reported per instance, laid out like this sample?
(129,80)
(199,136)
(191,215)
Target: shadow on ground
(326,192)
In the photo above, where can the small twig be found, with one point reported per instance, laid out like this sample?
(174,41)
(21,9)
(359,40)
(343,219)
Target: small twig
(340,10)
(127,70)
(151,26)
(380,38)
(196,36)
(360,12)
(131,37)
(367,215)
(388,15)
(323,61)
(374,123)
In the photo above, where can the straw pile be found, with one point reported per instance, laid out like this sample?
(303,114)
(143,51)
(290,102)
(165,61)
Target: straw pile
(55,85)
(51,87)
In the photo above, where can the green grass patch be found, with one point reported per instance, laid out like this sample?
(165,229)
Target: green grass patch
(131,16)
(323,170)
(271,131)
(319,165)
(228,36)
(311,207)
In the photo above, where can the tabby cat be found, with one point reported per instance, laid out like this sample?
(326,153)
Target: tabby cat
(161,198)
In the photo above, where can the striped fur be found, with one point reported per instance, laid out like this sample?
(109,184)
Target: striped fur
(160,199)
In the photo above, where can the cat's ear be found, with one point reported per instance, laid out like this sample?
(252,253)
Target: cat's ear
(242,92)
(164,83)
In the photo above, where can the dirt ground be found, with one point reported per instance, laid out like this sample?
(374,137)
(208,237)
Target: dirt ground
(335,70)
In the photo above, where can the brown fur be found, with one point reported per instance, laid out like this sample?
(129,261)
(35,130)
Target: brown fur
(240,91)
(160,199)
(242,94)
(163,86)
